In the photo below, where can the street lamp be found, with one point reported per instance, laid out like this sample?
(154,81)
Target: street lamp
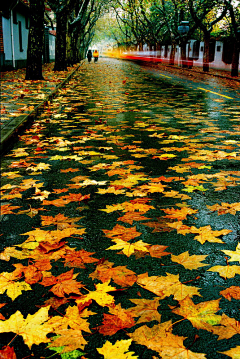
(183,29)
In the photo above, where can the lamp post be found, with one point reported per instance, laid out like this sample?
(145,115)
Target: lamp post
(183,29)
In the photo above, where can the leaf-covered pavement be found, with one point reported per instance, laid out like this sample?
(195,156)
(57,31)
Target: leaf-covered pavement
(120,223)
(19,96)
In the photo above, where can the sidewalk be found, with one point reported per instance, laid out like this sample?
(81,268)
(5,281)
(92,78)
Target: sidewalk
(21,100)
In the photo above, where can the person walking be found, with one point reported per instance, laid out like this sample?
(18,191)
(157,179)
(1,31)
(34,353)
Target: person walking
(95,55)
(89,56)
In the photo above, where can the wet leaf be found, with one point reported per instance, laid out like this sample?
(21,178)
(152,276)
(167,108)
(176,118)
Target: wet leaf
(189,262)
(33,329)
(202,315)
(165,286)
(119,350)
(119,318)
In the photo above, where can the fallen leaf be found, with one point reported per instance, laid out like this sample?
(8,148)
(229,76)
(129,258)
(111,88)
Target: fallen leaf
(33,329)
(119,318)
(146,310)
(165,286)
(189,262)
(119,350)
(202,315)
(120,274)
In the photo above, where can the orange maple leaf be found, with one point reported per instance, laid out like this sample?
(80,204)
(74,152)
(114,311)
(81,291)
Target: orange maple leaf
(130,217)
(78,258)
(8,209)
(126,234)
(231,292)
(179,214)
(120,274)
(119,319)
(65,283)
(7,353)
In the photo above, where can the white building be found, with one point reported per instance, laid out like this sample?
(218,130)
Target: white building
(14,28)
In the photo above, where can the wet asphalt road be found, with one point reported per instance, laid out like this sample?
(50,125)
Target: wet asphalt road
(148,152)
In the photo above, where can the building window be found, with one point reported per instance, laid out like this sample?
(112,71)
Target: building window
(20,36)
(14,16)
(27,22)
(201,48)
(219,48)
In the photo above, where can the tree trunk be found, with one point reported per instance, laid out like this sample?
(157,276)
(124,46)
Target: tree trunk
(35,41)
(184,54)
(172,54)
(60,48)
(69,49)
(141,46)
(235,60)
(206,51)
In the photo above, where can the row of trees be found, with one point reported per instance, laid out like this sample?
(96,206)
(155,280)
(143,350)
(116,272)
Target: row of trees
(75,23)
(156,22)
(131,23)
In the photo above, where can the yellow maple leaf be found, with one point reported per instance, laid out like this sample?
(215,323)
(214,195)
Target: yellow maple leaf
(128,207)
(73,319)
(234,255)
(129,248)
(226,271)
(227,328)
(119,350)
(161,339)
(145,309)
(69,340)
(202,315)
(9,282)
(33,329)
(207,234)
(165,286)
(12,252)
(11,174)
(180,227)
(111,189)
(39,167)
(234,353)
(189,262)
(100,295)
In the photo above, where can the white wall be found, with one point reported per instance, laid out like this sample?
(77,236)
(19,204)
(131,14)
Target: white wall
(20,55)
(7,39)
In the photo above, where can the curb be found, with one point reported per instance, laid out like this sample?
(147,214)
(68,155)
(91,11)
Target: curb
(11,131)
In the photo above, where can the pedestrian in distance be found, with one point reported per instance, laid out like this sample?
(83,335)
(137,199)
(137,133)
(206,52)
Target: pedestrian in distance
(95,55)
(89,56)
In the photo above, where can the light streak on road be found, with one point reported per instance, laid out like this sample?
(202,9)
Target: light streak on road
(215,93)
